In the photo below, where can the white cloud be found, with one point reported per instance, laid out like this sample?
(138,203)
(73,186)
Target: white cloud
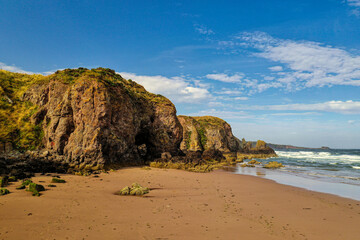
(222,114)
(228,91)
(223,77)
(355,3)
(203,29)
(16,69)
(3,66)
(294,114)
(351,121)
(345,107)
(176,89)
(241,98)
(276,68)
(310,64)
(268,78)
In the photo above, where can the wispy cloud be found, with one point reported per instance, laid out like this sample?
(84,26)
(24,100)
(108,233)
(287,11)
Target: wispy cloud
(13,68)
(276,68)
(222,77)
(228,91)
(355,3)
(301,64)
(177,89)
(202,29)
(344,107)
(355,7)
(294,114)
(223,114)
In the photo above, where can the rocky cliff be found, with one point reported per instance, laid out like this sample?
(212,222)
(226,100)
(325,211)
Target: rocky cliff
(207,132)
(89,119)
(86,118)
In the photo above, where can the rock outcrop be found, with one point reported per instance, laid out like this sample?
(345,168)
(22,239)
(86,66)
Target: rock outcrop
(260,148)
(91,118)
(207,132)
(81,119)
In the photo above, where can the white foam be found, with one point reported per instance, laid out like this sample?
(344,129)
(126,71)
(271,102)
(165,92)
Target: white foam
(310,156)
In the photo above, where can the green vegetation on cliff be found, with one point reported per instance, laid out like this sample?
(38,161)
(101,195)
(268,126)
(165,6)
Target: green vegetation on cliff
(15,113)
(206,121)
(201,124)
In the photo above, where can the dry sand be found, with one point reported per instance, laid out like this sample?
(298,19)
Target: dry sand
(182,205)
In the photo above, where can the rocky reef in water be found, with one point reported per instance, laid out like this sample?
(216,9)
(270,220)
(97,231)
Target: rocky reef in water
(83,119)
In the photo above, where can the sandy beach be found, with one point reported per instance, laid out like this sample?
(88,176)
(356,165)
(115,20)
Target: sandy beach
(181,205)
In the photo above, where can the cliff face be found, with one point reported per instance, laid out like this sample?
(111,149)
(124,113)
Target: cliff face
(88,118)
(203,133)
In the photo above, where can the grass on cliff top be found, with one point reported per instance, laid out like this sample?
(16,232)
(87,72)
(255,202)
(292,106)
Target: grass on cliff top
(205,121)
(111,79)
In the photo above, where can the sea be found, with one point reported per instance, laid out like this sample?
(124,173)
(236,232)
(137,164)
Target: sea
(334,171)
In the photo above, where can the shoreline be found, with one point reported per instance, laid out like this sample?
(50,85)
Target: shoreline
(294,179)
(181,205)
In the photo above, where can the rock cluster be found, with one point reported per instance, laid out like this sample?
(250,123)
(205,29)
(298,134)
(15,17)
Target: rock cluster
(83,119)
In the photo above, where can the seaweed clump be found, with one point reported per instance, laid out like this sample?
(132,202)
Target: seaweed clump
(35,189)
(191,167)
(4,191)
(254,162)
(247,165)
(12,179)
(274,164)
(25,183)
(58,180)
(135,190)
(4,181)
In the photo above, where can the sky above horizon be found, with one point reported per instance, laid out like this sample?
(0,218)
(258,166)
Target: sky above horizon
(286,72)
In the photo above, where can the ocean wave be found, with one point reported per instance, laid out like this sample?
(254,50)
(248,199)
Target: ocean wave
(312,156)
(356,167)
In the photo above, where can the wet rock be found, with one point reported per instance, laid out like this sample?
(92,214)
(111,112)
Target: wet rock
(274,164)
(4,191)
(135,190)
(213,155)
(58,180)
(35,188)
(4,181)
(166,155)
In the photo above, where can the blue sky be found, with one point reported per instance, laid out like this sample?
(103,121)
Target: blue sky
(283,71)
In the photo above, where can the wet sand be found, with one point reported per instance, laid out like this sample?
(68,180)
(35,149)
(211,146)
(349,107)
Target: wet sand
(182,205)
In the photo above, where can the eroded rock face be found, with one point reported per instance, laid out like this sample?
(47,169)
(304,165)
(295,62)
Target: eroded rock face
(100,118)
(204,133)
